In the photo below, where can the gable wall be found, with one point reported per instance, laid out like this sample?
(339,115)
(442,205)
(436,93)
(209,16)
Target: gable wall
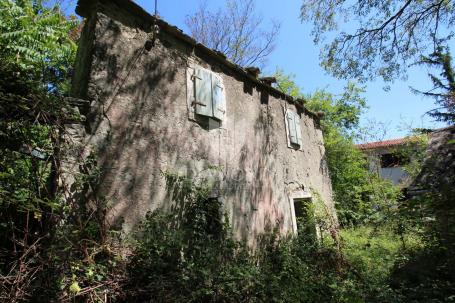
(139,126)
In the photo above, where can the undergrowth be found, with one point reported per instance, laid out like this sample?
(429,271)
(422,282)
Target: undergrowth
(192,257)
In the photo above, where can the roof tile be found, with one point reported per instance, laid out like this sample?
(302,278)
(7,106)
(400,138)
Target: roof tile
(379,144)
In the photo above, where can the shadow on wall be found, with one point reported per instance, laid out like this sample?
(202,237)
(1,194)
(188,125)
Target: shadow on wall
(250,185)
(130,92)
(138,127)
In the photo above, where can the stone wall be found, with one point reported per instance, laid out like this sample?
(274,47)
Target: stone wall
(140,123)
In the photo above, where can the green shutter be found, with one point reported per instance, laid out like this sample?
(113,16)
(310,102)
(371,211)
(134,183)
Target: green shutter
(298,131)
(295,133)
(203,92)
(291,127)
(219,100)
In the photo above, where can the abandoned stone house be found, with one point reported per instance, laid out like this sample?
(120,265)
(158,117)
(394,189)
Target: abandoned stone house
(159,101)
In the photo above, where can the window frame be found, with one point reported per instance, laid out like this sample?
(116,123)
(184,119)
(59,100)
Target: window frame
(294,196)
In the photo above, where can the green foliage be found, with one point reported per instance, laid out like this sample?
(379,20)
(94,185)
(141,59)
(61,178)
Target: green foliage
(443,91)
(341,112)
(36,54)
(27,190)
(78,259)
(37,39)
(375,250)
(365,40)
(285,83)
(359,194)
(379,236)
(31,44)
(191,257)
(427,274)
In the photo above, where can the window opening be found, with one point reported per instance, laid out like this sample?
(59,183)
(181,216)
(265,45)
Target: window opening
(393,160)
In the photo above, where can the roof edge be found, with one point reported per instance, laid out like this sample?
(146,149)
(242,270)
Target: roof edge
(382,144)
(84,8)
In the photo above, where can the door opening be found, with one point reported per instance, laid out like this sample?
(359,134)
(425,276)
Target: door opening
(304,215)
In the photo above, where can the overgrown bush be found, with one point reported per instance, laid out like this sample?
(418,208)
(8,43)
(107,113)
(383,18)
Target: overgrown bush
(41,236)
(428,274)
(190,256)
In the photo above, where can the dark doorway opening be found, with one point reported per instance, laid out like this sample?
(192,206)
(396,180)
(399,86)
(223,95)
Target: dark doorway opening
(306,223)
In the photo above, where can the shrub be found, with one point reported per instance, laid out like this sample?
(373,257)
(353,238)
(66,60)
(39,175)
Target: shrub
(192,257)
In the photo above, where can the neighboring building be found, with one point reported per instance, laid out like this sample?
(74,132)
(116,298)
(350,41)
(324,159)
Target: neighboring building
(387,159)
(160,101)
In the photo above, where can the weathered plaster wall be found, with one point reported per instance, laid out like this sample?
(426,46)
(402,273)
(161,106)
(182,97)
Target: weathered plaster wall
(139,125)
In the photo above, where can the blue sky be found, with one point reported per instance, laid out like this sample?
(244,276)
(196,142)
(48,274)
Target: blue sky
(396,110)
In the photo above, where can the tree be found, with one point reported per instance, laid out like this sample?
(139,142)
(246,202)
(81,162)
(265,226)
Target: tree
(357,192)
(388,34)
(443,90)
(36,55)
(340,111)
(235,31)
(38,40)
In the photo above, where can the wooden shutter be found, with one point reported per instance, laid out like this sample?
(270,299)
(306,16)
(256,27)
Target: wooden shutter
(203,92)
(291,127)
(298,131)
(219,100)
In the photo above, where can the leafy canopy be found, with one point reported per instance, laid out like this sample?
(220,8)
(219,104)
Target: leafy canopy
(387,35)
(38,40)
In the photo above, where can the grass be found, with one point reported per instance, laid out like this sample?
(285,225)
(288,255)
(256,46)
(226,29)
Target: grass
(375,251)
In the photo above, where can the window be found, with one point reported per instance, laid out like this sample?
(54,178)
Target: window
(209,95)
(293,129)
(393,160)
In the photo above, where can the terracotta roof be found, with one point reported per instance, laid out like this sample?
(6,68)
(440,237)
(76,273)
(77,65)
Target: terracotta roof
(379,144)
